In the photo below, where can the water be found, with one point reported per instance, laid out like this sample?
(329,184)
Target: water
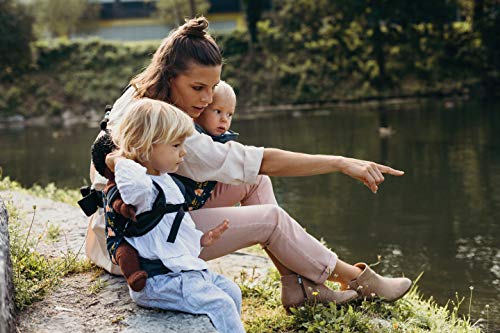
(442,218)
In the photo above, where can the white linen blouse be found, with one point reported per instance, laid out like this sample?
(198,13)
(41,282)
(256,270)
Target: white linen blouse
(136,188)
(229,163)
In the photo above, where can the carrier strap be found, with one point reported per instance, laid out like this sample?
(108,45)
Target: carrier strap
(91,200)
(148,220)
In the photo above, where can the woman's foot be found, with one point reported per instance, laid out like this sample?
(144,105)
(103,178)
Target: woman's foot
(296,290)
(371,285)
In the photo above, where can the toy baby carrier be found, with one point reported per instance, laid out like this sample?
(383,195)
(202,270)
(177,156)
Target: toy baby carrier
(119,227)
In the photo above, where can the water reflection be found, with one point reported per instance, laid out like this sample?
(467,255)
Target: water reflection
(441,218)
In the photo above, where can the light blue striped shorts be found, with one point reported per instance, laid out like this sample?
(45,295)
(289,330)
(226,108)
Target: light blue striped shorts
(196,292)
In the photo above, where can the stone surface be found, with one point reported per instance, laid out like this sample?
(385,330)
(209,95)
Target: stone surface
(97,301)
(6,288)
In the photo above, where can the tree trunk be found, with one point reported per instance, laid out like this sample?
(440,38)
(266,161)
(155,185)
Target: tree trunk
(193,8)
(478,14)
(378,50)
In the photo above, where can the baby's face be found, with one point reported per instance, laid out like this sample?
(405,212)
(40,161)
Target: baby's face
(217,117)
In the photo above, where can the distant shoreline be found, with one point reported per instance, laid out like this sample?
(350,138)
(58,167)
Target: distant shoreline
(92,117)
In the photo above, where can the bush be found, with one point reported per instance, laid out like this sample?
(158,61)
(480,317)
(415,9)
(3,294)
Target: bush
(16,34)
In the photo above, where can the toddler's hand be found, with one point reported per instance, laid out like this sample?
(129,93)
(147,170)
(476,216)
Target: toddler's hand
(112,158)
(210,237)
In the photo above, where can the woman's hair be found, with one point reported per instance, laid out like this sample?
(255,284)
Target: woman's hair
(189,43)
(148,122)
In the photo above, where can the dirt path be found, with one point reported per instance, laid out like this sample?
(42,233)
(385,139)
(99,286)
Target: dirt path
(97,301)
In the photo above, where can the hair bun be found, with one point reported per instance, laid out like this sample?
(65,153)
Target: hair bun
(196,27)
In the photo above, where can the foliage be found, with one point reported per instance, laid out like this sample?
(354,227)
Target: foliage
(262,312)
(80,75)
(336,51)
(174,11)
(50,191)
(59,17)
(16,34)
(34,274)
(354,49)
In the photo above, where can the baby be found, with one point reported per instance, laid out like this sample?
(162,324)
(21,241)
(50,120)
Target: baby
(217,117)
(215,121)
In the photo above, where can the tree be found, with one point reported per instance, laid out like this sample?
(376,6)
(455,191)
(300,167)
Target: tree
(253,13)
(16,33)
(174,11)
(486,21)
(59,17)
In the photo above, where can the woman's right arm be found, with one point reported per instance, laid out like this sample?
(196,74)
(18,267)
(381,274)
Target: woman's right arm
(234,163)
(277,162)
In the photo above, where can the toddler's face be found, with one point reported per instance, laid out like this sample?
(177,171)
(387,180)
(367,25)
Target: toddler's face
(217,117)
(166,157)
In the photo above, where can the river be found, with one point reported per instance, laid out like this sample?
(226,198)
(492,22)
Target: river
(441,218)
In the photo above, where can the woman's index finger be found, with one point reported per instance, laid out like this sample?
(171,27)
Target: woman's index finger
(389,170)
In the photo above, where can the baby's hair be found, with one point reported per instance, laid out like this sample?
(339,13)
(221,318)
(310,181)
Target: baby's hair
(225,89)
(147,122)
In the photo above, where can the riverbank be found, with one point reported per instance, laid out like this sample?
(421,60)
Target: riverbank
(92,118)
(89,299)
(92,301)
(71,81)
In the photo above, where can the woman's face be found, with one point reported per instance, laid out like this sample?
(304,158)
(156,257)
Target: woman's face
(193,90)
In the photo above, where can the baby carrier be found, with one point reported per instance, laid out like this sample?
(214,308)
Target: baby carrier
(197,193)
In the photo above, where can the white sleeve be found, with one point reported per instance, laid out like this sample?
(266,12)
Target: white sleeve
(120,107)
(135,186)
(229,163)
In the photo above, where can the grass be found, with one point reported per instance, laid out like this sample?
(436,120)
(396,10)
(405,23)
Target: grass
(69,196)
(34,274)
(96,286)
(262,312)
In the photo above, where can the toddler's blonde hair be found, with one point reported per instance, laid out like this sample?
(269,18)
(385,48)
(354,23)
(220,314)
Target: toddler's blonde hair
(148,122)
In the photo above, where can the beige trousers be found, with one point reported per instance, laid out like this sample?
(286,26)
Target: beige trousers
(259,220)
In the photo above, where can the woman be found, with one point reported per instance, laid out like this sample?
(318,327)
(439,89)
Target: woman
(184,71)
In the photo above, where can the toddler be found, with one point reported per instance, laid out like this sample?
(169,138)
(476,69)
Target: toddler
(150,145)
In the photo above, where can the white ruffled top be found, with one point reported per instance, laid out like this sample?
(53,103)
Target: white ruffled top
(136,188)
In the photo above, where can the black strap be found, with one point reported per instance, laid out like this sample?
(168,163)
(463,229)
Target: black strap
(153,267)
(172,235)
(148,220)
(91,200)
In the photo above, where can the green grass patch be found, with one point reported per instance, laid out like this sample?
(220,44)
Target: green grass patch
(69,196)
(34,274)
(262,312)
